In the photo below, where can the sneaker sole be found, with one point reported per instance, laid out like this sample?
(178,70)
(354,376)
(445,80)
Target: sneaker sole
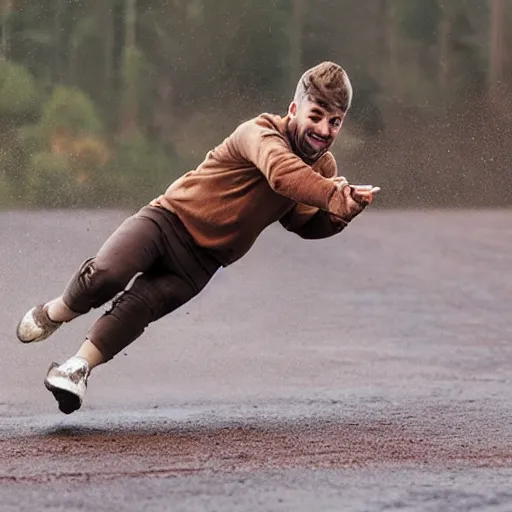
(68,402)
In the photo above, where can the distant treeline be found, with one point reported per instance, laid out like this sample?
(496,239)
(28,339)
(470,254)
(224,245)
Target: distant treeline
(104,102)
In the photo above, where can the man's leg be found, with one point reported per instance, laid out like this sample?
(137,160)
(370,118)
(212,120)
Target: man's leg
(151,297)
(132,248)
(180,271)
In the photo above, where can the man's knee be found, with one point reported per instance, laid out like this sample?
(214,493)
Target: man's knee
(93,284)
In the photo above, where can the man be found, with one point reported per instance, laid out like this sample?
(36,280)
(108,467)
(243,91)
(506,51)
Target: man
(269,169)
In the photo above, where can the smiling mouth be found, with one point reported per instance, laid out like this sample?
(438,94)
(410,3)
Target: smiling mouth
(317,141)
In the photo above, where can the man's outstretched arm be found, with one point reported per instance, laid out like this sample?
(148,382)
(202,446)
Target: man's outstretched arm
(291,177)
(312,223)
(286,173)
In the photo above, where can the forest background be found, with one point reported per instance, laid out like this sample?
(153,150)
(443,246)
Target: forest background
(104,102)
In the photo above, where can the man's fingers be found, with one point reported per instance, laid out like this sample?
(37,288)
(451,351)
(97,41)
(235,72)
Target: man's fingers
(364,189)
(363,194)
(361,188)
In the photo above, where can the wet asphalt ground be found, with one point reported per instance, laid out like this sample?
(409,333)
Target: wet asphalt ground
(367,372)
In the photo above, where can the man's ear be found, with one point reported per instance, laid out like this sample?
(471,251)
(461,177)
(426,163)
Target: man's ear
(292,109)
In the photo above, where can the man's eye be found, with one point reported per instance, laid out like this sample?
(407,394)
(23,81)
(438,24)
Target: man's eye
(315,119)
(336,123)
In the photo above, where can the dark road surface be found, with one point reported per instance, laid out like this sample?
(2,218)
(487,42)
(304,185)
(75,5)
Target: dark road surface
(368,372)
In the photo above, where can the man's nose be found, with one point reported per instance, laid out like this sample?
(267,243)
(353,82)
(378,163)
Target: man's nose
(323,128)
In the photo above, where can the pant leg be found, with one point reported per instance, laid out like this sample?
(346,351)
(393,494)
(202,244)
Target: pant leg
(181,272)
(134,247)
(152,296)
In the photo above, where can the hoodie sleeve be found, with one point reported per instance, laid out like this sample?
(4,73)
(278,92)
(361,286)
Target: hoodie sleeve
(320,225)
(286,173)
(310,222)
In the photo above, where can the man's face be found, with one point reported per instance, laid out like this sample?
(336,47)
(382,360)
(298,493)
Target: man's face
(314,127)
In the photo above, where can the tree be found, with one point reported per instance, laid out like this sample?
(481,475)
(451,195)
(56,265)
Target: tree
(131,71)
(496,9)
(296,35)
(6,15)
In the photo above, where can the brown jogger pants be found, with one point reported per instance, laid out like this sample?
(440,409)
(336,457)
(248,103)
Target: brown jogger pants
(170,267)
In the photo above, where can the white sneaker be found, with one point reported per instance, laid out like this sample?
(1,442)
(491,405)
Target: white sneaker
(68,383)
(36,325)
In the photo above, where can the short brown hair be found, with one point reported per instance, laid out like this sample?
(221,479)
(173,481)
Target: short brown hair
(325,83)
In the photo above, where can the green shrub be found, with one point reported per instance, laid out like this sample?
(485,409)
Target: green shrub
(69,110)
(18,92)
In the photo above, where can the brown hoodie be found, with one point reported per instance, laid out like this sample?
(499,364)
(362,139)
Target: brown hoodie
(250,181)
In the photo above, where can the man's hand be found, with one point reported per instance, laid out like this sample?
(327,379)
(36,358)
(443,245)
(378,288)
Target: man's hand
(350,200)
(363,193)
